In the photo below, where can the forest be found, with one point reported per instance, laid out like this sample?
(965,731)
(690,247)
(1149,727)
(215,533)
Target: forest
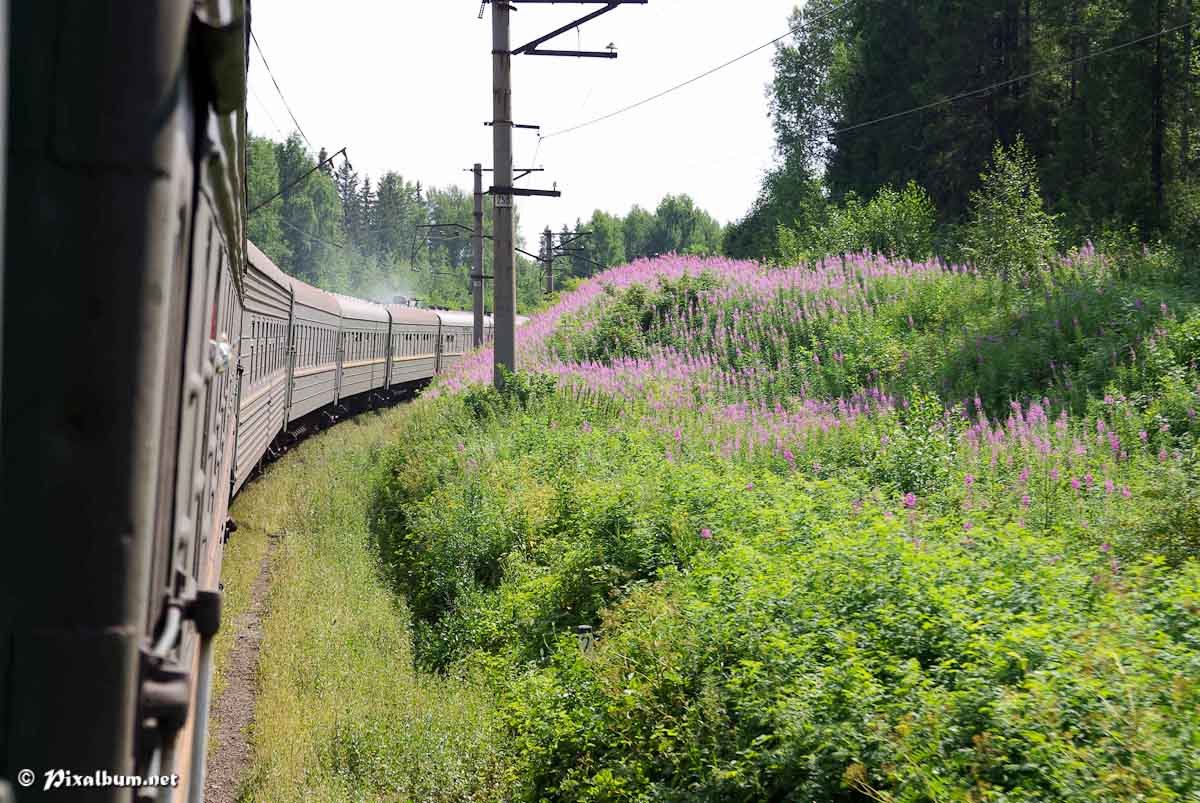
(345,232)
(874,96)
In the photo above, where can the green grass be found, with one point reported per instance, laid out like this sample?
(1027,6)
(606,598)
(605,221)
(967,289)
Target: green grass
(341,713)
(240,566)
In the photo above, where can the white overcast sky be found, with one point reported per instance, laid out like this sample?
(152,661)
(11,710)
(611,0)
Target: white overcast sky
(406,86)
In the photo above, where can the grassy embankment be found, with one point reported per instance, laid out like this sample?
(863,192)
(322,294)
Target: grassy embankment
(339,694)
(863,531)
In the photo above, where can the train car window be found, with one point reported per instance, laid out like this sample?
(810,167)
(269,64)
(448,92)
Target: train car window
(256,357)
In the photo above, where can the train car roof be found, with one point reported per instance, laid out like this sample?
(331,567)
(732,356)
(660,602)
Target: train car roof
(359,310)
(264,265)
(456,318)
(313,297)
(414,315)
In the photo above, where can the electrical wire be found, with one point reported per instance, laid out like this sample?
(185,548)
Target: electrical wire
(258,47)
(702,75)
(1007,82)
(267,112)
(296,228)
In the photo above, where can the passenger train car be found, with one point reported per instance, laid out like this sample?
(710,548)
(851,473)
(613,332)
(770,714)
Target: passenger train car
(152,359)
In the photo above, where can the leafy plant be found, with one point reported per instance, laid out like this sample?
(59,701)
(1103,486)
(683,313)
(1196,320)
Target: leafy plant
(1010,234)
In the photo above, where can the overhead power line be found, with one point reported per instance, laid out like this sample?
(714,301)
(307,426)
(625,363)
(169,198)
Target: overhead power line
(314,169)
(804,24)
(267,112)
(258,47)
(1007,82)
(309,235)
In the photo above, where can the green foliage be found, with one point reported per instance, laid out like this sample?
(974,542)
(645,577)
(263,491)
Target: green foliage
(631,326)
(676,226)
(910,602)
(918,453)
(341,713)
(877,661)
(1184,214)
(898,224)
(347,234)
(1010,234)
(775,637)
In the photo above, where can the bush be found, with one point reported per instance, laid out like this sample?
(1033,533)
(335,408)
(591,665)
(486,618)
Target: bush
(878,661)
(1010,234)
(898,224)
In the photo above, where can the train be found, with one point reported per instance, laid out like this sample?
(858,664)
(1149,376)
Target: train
(152,359)
(307,356)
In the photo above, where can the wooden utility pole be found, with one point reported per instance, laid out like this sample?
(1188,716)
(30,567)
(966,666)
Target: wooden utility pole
(503,235)
(548,258)
(477,257)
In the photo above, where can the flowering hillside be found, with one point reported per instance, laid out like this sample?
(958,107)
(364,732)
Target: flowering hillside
(866,529)
(801,369)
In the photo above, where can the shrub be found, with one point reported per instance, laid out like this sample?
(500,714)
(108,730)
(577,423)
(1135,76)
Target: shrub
(1010,233)
(895,223)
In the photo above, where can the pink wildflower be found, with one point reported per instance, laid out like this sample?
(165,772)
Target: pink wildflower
(1125,492)
(706,533)
(910,500)
(1025,500)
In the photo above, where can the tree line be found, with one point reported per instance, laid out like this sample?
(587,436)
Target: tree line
(1101,92)
(351,233)
(346,232)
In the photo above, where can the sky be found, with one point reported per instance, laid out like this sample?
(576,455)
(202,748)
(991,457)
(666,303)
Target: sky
(407,86)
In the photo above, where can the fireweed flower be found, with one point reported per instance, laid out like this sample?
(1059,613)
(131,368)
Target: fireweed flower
(1025,500)
(1089,479)
(1105,547)
(969,480)
(1125,492)
(910,500)
(1025,474)
(706,533)
(1075,483)
(1054,475)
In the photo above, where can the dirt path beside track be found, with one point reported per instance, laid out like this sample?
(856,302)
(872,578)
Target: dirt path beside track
(233,711)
